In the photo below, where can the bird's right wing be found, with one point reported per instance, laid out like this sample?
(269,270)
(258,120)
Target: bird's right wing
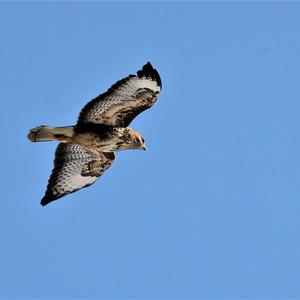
(74,168)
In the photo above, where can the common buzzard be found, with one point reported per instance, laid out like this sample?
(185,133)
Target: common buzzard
(86,150)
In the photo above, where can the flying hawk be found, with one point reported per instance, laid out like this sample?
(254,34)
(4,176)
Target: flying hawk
(86,150)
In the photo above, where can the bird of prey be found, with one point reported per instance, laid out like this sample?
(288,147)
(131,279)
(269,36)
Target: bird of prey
(86,150)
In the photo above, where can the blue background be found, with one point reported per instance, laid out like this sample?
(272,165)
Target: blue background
(212,209)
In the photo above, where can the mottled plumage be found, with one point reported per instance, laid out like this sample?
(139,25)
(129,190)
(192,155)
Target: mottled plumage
(74,169)
(86,149)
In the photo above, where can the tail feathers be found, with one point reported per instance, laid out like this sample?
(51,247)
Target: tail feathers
(46,133)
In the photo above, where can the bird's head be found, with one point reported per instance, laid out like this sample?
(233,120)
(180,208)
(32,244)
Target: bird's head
(131,139)
(138,141)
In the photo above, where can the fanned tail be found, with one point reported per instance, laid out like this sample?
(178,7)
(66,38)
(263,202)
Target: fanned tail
(46,133)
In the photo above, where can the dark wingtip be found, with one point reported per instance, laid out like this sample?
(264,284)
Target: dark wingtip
(45,201)
(157,78)
(148,64)
(149,71)
(49,197)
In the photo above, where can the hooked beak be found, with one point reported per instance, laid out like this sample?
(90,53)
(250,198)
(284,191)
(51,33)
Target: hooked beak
(144,148)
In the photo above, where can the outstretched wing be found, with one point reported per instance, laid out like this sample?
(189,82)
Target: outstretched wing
(127,98)
(74,169)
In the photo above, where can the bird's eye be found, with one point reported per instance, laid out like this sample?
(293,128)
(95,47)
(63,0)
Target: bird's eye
(143,140)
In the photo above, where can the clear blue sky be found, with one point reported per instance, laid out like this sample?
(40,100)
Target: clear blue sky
(212,209)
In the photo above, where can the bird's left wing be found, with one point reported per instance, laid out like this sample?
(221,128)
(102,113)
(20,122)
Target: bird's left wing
(74,168)
(127,98)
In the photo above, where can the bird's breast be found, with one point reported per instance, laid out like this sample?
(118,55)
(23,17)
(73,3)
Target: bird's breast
(99,142)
